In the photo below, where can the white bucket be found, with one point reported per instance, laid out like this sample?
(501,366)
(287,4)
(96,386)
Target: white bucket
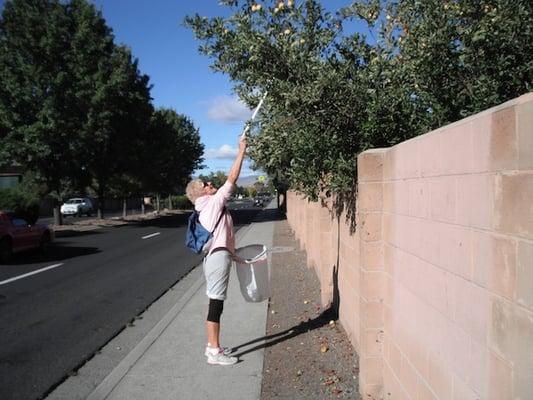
(253,273)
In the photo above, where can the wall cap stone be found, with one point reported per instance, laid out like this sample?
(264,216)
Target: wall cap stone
(525,98)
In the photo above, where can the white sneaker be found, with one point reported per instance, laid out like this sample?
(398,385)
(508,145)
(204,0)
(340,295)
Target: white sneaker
(220,358)
(224,350)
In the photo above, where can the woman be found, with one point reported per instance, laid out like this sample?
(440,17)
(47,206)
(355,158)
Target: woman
(210,202)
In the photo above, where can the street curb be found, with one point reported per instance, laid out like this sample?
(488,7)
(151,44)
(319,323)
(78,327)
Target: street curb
(109,383)
(112,380)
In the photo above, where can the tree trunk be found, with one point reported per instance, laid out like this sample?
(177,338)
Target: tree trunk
(169,202)
(58,218)
(143,211)
(158,204)
(124,207)
(101,205)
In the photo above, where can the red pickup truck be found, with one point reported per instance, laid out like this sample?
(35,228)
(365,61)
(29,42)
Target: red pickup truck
(17,235)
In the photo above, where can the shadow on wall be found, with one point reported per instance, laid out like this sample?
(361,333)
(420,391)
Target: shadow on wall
(344,202)
(336,298)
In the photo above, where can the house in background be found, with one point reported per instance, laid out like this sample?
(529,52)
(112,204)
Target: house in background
(10,177)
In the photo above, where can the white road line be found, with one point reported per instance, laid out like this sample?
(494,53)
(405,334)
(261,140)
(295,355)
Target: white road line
(16,278)
(152,235)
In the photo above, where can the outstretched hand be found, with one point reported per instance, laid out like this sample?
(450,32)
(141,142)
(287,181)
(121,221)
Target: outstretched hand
(243,143)
(237,164)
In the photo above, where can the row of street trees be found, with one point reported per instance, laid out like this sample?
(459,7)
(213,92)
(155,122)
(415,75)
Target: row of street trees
(76,112)
(334,92)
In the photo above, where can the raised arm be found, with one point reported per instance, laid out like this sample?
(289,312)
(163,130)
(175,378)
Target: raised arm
(237,164)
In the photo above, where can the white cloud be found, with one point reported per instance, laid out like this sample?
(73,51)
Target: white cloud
(224,152)
(228,109)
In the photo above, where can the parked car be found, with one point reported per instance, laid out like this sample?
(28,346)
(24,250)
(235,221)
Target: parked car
(17,235)
(77,206)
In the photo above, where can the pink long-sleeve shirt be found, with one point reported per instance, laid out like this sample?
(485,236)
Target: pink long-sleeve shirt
(210,207)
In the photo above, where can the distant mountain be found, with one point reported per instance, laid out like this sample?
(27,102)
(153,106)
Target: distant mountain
(248,180)
(244,180)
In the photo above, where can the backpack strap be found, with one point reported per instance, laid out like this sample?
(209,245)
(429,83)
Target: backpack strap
(219,218)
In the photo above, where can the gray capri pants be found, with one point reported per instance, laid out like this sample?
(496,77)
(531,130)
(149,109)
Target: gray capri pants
(216,270)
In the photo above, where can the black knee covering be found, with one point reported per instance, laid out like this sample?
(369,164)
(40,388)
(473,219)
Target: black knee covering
(215,310)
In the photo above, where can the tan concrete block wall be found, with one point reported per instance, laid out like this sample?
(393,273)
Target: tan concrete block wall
(318,238)
(436,284)
(372,283)
(456,226)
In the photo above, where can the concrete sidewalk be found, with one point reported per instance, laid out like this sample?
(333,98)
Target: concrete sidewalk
(169,362)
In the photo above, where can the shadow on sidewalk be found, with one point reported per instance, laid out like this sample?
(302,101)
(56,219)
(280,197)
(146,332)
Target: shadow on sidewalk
(270,214)
(332,313)
(56,252)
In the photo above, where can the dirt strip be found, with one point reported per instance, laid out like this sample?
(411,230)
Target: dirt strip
(308,355)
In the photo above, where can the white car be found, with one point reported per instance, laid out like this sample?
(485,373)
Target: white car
(77,206)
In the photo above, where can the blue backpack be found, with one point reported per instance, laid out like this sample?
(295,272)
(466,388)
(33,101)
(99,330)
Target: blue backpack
(197,236)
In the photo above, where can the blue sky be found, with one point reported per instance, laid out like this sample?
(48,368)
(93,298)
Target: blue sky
(181,77)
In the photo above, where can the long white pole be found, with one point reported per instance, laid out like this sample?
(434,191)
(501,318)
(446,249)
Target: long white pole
(247,127)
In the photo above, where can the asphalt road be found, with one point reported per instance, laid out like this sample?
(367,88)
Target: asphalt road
(51,322)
